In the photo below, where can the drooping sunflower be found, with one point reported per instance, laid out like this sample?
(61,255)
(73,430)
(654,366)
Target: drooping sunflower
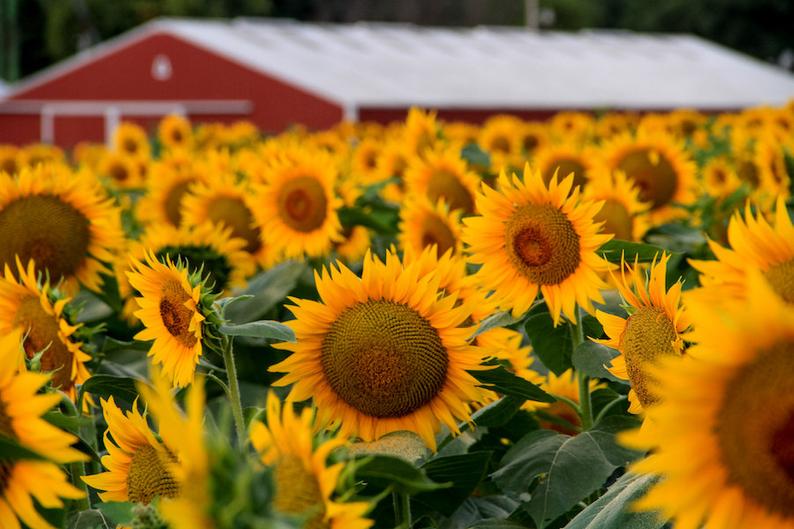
(564,159)
(21,410)
(658,165)
(304,481)
(35,309)
(296,208)
(719,177)
(175,132)
(443,174)
(623,214)
(754,242)
(423,224)
(382,353)
(121,170)
(62,220)
(724,425)
(530,237)
(139,466)
(355,244)
(130,139)
(654,328)
(172,312)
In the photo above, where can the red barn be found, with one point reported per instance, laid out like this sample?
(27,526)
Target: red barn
(277,73)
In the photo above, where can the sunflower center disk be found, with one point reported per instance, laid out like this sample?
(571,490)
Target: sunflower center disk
(564,167)
(175,315)
(173,202)
(233,212)
(44,228)
(302,204)
(149,477)
(215,267)
(748,172)
(542,243)
(42,329)
(435,231)
(448,186)
(781,277)
(649,335)
(297,491)
(500,144)
(616,219)
(653,174)
(384,359)
(755,429)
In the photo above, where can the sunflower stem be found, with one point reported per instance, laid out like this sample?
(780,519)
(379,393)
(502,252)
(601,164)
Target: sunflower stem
(234,388)
(77,468)
(402,510)
(585,402)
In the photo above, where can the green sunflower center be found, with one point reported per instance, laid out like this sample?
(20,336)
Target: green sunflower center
(42,329)
(215,267)
(542,243)
(649,335)
(175,315)
(384,359)
(149,477)
(173,202)
(44,228)
(653,174)
(616,219)
(446,185)
(302,204)
(233,212)
(781,277)
(564,167)
(297,492)
(435,231)
(755,429)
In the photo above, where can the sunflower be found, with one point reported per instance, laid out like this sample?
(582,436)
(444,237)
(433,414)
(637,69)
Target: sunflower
(88,154)
(461,132)
(139,466)
(723,428)
(38,153)
(62,220)
(560,416)
(364,163)
(442,173)
(685,121)
(222,199)
(422,224)
(392,163)
(296,208)
(654,328)
(719,177)
(382,353)
(356,242)
(420,131)
(171,312)
(623,214)
(21,410)
(754,242)
(39,313)
(658,165)
(8,159)
(121,170)
(771,162)
(168,182)
(564,159)
(533,136)
(615,123)
(572,125)
(532,237)
(303,480)
(130,139)
(175,132)
(501,137)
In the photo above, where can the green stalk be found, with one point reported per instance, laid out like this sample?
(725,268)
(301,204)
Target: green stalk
(585,402)
(402,510)
(234,389)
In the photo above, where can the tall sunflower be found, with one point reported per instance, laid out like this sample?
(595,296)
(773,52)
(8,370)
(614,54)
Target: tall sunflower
(530,237)
(719,177)
(62,220)
(304,481)
(501,137)
(423,224)
(654,328)
(724,426)
(130,139)
(533,136)
(754,243)
(169,181)
(564,159)
(8,159)
(175,132)
(121,170)
(623,214)
(382,353)
(443,174)
(35,309)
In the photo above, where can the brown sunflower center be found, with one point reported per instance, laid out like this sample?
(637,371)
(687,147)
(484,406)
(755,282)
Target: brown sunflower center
(118,172)
(302,204)
(649,335)
(435,231)
(616,219)
(173,202)
(530,142)
(44,228)
(384,359)
(233,212)
(446,185)
(500,144)
(542,243)
(131,146)
(42,329)
(297,492)
(781,277)
(149,477)
(177,136)
(719,176)
(564,167)
(748,172)
(9,165)
(755,429)
(653,174)
(175,314)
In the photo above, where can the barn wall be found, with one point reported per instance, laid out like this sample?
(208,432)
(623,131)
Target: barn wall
(19,129)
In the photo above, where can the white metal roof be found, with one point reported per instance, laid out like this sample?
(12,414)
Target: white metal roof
(395,65)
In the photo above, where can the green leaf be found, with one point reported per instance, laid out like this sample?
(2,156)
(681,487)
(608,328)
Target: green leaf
(503,381)
(613,509)
(384,471)
(268,288)
(552,344)
(477,157)
(385,223)
(494,523)
(464,472)
(591,358)
(498,413)
(225,303)
(10,449)
(66,422)
(105,386)
(115,512)
(568,469)
(497,319)
(274,330)
(644,253)
(111,345)
(90,519)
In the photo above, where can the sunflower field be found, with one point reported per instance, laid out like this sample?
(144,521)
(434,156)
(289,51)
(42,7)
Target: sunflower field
(582,323)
